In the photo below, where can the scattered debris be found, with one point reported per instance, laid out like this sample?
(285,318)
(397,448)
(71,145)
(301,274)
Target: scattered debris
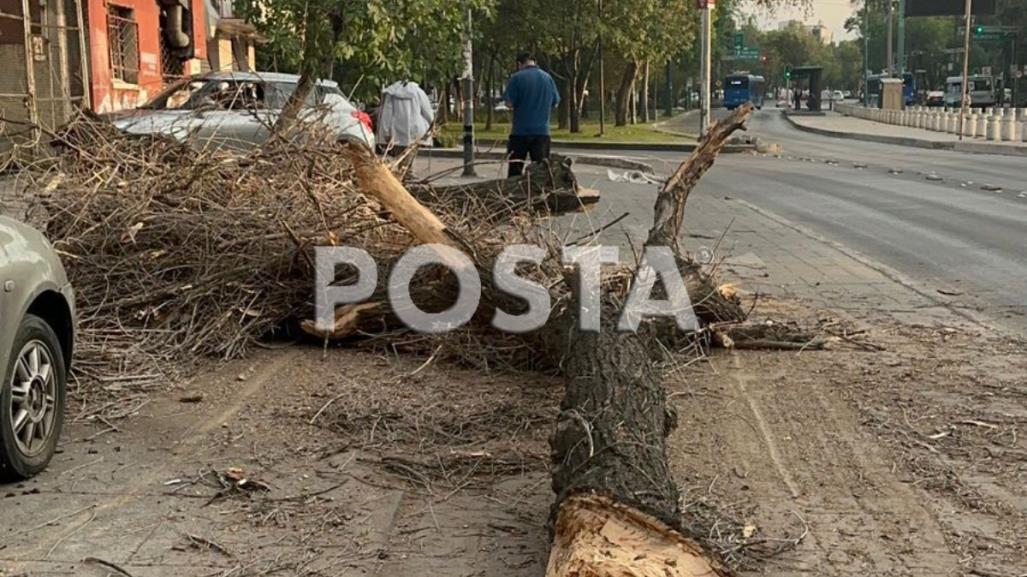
(991,188)
(632,177)
(934,177)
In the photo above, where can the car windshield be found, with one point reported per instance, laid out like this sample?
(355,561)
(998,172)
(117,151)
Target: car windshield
(223,94)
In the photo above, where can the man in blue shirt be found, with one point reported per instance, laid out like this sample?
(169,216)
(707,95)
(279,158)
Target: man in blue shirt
(532,95)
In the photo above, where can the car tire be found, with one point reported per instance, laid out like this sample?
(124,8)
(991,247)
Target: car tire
(32,397)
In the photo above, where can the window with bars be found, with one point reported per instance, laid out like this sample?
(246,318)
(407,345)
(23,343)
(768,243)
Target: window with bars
(123,42)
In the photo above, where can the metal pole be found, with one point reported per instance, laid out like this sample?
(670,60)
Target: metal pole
(704,66)
(866,53)
(469,100)
(966,68)
(890,65)
(83,57)
(30,73)
(602,80)
(902,37)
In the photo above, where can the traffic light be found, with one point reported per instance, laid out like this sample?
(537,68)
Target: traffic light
(979,30)
(788,73)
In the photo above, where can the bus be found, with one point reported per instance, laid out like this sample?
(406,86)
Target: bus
(741,88)
(982,91)
(908,89)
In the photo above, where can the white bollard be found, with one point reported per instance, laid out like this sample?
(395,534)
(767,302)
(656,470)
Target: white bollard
(995,126)
(982,124)
(1009,126)
(970,128)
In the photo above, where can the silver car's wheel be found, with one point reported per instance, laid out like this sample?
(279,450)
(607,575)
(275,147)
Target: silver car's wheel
(33,398)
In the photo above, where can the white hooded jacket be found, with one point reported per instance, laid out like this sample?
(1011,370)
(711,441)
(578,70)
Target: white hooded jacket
(405,114)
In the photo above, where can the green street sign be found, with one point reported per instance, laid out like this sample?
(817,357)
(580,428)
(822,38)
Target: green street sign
(747,54)
(739,40)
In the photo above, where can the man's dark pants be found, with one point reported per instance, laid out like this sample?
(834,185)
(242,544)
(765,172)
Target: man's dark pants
(519,147)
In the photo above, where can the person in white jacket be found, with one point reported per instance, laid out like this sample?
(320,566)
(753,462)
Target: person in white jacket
(404,118)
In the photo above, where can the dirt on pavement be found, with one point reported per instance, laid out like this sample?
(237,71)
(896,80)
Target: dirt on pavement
(902,457)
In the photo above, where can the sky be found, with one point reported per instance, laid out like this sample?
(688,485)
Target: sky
(832,13)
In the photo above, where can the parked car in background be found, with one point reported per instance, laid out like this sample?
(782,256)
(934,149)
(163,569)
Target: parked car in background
(935,98)
(36,339)
(239,109)
(837,96)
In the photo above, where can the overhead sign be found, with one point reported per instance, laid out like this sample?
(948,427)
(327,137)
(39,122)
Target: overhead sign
(747,54)
(948,7)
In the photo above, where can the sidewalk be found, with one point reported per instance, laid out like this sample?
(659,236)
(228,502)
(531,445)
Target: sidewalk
(839,125)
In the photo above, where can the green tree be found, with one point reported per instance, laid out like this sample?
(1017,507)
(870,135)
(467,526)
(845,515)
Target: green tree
(369,41)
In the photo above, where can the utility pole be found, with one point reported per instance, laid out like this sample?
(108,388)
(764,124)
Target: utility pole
(468,91)
(866,53)
(902,37)
(704,66)
(602,79)
(891,28)
(966,69)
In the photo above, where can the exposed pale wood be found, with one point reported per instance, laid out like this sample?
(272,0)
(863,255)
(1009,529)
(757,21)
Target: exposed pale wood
(347,321)
(598,537)
(375,179)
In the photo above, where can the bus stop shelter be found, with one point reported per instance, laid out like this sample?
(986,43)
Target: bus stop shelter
(811,76)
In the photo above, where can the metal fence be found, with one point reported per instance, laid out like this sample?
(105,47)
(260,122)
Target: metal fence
(42,67)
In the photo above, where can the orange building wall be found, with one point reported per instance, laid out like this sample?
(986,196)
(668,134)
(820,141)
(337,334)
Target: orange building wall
(109,94)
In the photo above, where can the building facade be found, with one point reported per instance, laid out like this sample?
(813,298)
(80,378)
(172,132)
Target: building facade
(136,47)
(42,80)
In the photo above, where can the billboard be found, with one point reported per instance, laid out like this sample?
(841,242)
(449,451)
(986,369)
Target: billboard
(948,7)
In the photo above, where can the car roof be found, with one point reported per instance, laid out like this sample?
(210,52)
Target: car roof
(279,77)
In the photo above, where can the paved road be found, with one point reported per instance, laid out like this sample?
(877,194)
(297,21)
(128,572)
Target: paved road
(945,235)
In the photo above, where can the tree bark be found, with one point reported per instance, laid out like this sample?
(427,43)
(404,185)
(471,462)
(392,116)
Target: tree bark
(624,94)
(490,82)
(563,114)
(645,113)
(550,186)
(616,511)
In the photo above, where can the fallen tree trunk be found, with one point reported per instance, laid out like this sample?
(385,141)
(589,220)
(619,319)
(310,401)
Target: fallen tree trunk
(610,439)
(617,512)
(549,185)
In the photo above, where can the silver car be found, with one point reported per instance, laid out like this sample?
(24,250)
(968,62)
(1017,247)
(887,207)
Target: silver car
(239,109)
(37,312)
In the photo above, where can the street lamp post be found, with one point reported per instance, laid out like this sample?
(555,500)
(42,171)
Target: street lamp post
(704,66)
(866,53)
(966,69)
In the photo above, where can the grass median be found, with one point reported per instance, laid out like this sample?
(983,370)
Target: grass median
(451,134)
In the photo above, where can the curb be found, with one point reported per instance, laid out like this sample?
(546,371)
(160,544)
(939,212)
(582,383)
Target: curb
(969,147)
(594,160)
